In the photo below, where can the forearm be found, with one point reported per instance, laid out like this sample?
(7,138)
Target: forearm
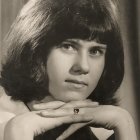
(125,129)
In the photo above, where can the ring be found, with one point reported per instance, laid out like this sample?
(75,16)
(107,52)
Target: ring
(76,111)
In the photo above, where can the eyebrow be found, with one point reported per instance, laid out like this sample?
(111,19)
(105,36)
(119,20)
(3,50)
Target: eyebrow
(75,42)
(71,41)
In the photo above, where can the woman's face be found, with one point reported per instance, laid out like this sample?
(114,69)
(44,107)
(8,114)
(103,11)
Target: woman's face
(74,68)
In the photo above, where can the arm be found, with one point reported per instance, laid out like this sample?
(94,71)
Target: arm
(4,118)
(109,117)
(106,116)
(17,131)
(125,130)
(27,125)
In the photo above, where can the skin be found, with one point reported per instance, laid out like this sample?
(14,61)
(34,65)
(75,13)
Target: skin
(85,61)
(90,114)
(74,68)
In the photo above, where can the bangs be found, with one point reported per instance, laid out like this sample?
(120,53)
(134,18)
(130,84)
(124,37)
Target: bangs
(83,22)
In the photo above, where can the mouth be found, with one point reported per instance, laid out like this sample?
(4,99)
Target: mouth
(76,83)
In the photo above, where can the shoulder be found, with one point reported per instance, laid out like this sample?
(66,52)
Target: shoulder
(6,107)
(5,116)
(9,108)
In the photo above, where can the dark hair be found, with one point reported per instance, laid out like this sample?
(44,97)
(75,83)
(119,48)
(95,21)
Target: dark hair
(40,25)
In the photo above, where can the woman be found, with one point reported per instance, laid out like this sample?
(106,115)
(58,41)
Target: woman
(64,61)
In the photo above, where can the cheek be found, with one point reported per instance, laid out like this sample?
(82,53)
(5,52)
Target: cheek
(58,66)
(54,70)
(96,70)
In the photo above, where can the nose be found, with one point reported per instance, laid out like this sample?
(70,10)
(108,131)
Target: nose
(81,65)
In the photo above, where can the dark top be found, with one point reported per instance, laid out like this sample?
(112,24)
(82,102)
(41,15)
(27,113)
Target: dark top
(81,134)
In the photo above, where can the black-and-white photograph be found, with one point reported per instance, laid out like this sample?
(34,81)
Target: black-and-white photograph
(69,70)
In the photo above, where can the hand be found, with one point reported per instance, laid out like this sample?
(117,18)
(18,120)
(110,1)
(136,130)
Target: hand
(32,123)
(107,116)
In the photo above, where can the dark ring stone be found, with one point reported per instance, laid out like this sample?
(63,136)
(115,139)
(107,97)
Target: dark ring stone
(76,110)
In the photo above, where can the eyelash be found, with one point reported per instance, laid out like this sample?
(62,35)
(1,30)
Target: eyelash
(68,47)
(95,51)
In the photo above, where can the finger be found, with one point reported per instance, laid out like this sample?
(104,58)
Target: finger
(65,112)
(49,105)
(50,123)
(57,104)
(74,119)
(57,113)
(80,104)
(41,124)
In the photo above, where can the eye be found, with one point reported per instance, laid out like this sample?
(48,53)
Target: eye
(97,51)
(68,47)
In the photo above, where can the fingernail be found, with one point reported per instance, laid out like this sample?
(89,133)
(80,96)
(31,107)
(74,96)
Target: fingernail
(89,100)
(95,103)
(38,106)
(45,113)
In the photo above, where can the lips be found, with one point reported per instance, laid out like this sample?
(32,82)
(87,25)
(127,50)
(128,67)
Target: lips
(74,81)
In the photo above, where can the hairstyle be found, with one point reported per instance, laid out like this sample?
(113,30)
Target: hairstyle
(40,25)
